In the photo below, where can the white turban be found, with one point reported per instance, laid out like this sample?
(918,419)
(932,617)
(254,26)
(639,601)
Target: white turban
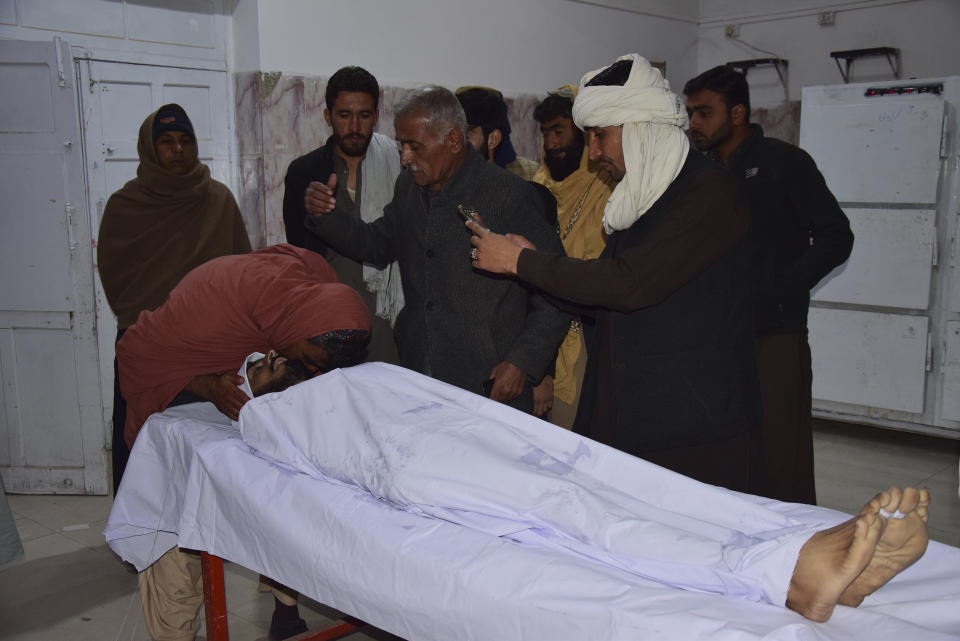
(654,143)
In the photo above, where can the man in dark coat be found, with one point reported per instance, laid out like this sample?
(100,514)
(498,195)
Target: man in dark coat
(670,372)
(799,234)
(458,325)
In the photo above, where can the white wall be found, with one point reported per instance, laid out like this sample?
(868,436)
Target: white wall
(189,33)
(530,46)
(925,31)
(244,38)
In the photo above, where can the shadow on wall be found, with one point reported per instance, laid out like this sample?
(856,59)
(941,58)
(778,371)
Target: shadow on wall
(280,118)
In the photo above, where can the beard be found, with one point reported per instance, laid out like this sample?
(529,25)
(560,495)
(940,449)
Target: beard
(353,144)
(563,162)
(707,143)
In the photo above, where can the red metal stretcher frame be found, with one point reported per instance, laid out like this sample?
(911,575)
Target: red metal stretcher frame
(215,607)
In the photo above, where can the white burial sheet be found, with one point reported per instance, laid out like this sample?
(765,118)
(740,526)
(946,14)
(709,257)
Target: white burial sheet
(434,513)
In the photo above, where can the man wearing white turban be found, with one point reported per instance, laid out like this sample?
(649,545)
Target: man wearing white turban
(670,375)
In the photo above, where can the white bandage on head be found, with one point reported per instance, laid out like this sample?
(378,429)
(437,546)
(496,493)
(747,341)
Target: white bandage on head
(654,143)
(252,358)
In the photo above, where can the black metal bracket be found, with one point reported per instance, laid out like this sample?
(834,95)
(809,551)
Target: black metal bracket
(892,55)
(743,66)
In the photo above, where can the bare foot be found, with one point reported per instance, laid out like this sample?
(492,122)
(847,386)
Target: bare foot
(830,561)
(904,540)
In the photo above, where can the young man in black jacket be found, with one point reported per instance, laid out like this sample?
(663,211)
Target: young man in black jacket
(800,234)
(363,166)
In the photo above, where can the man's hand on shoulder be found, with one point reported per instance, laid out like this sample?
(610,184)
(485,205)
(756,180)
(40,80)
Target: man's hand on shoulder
(508,381)
(222,390)
(319,198)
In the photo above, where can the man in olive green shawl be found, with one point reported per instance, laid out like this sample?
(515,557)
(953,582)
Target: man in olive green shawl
(169,219)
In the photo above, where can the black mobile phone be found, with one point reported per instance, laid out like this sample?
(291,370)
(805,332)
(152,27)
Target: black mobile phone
(486,387)
(469,214)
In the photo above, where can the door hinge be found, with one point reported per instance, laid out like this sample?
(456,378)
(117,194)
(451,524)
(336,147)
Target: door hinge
(90,81)
(58,50)
(928,365)
(945,134)
(71,240)
(953,243)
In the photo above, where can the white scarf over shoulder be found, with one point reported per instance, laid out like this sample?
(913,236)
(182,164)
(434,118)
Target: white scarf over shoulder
(378,173)
(654,143)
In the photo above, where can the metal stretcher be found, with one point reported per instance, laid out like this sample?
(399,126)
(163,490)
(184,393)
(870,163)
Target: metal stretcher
(215,608)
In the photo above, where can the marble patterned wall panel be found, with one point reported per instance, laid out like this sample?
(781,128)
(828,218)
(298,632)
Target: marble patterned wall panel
(282,113)
(316,129)
(781,122)
(274,170)
(388,97)
(525,130)
(250,199)
(249,130)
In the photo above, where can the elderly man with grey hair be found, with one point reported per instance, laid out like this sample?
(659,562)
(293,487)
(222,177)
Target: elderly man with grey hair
(466,327)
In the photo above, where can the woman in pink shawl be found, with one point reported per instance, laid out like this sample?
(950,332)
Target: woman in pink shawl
(282,297)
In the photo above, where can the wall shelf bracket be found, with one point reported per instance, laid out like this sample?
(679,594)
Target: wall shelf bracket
(892,54)
(743,66)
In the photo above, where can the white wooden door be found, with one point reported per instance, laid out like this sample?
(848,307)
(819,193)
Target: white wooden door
(115,98)
(51,427)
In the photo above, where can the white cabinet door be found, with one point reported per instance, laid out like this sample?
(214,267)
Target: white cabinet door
(115,98)
(869,358)
(874,149)
(891,262)
(51,427)
(950,405)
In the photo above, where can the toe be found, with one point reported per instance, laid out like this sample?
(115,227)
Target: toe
(909,500)
(891,499)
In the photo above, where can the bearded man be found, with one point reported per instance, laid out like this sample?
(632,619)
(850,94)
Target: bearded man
(670,375)
(581,190)
(361,167)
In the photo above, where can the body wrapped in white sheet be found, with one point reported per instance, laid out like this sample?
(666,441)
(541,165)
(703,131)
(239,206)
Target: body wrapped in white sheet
(431,448)
(192,481)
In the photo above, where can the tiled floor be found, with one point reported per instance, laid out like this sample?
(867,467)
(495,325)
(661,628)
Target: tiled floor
(70,586)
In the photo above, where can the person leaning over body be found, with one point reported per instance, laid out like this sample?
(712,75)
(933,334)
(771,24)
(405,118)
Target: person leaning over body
(169,219)
(670,374)
(281,297)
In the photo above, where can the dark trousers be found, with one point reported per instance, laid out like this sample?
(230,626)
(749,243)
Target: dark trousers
(781,461)
(119,452)
(724,463)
